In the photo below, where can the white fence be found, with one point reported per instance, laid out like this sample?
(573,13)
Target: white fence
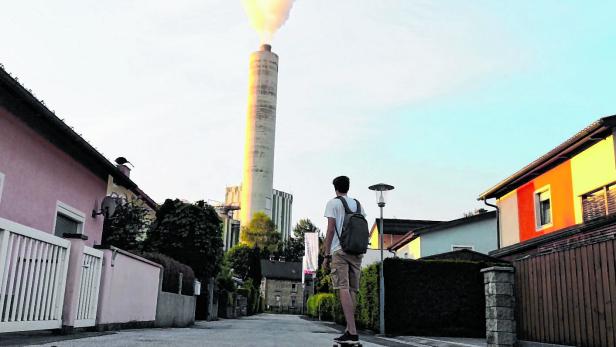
(33,269)
(88,287)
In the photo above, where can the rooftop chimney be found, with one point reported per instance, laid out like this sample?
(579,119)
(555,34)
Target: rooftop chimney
(121,165)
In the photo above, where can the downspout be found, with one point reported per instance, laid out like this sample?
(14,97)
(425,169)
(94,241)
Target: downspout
(485,201)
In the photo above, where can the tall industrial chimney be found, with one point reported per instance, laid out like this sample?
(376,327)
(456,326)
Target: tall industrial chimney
(258,174)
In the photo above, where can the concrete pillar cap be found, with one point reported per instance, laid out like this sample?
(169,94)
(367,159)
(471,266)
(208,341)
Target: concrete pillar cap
(498,268)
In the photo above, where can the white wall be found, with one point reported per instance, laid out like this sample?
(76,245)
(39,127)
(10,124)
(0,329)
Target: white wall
(481,235)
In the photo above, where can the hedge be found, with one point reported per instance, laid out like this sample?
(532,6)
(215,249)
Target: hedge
(367,312)
(422,298)
(434,298)
(322,306)
(171,273)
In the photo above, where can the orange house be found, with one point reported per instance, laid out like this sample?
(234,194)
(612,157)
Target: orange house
(572,184)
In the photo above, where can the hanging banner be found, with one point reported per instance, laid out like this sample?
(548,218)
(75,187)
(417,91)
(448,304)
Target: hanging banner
(311,253)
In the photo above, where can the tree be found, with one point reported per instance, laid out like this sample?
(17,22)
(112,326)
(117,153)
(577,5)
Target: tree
(127,227)
(293,248)
(189,233)
(261,232)
(244,261)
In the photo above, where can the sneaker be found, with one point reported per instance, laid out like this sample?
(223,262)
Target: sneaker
(347,338)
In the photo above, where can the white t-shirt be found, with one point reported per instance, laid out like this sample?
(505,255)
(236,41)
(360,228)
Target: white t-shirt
(335,209)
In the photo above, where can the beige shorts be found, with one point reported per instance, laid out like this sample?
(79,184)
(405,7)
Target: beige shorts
(346,270)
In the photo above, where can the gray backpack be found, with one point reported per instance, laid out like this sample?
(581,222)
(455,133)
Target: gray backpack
(354,236)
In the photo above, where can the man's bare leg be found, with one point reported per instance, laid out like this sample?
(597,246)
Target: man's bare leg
(348,307)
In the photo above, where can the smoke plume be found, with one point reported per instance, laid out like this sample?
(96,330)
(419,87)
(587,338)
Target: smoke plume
(267,16)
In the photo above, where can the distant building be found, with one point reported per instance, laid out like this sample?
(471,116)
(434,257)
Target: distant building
(281,209)
(394,230)
(281,286)
(475,233)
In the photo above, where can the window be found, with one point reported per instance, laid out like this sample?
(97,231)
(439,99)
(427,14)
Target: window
(68,220)
(543,208)
(460,247)
(599,203)
(1,184)
(294,288)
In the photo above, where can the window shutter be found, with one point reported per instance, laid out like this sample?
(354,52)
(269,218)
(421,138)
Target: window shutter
(611,199)
(593,205)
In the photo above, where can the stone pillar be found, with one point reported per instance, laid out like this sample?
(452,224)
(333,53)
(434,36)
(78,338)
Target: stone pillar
(500,304)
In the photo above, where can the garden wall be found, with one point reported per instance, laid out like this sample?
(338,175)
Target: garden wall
(175,310)
(129,290)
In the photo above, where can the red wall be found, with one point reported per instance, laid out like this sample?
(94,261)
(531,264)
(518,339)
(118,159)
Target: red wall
(561,187)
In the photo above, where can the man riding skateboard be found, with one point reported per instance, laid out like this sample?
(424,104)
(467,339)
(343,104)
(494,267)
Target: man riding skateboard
(345,243)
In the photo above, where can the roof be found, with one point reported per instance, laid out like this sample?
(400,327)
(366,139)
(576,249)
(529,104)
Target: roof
(464,254)
(441,226)
(281,270)
(580,141)
(21,103)
(402,226)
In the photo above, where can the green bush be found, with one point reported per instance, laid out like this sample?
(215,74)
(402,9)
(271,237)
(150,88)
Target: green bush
(367,312)
(171,273)
(322,306)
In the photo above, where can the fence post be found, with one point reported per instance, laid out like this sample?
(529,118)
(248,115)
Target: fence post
(500,304)
(73,281)
(181,280)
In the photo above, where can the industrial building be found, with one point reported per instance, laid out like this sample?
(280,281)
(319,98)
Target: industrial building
(281,212)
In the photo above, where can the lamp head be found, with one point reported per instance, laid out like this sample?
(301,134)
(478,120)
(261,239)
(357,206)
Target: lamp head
(381,190)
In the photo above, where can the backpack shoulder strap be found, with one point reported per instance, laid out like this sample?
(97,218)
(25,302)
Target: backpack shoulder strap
(358,206)
(347,210)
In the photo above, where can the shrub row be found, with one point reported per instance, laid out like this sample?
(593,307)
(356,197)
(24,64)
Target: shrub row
(326,306)
(171,273)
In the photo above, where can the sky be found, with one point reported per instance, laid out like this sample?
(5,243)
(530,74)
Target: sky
(440,99)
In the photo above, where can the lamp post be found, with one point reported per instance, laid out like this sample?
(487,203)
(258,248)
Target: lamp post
(381,190)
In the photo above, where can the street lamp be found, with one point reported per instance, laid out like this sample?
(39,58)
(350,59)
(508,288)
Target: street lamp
(381,190)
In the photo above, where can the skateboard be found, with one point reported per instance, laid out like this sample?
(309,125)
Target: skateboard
(347,344)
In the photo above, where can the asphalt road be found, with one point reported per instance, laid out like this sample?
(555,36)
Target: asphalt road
(261,330)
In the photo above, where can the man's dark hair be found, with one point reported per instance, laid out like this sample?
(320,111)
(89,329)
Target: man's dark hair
(341,183)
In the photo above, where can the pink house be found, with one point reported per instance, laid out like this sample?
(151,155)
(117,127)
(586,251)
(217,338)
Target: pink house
(50,178)
(51,181)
